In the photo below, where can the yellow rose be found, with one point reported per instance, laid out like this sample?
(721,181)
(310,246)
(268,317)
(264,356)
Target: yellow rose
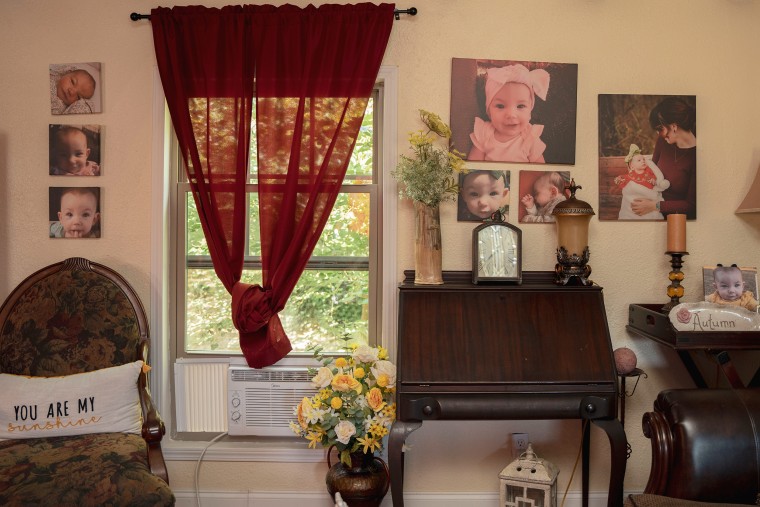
(359,372)
(382,380)
(336,403)
(302,411)
(341,362)
(344,383)
(375,399)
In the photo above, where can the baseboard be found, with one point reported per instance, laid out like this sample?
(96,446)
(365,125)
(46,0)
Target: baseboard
(187,498)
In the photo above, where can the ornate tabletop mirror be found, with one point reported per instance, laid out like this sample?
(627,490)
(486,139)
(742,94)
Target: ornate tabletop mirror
(496,252)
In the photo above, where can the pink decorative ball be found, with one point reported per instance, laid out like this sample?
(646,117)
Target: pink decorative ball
(625,360)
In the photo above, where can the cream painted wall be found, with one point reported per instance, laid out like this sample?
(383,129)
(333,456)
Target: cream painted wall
(708,48)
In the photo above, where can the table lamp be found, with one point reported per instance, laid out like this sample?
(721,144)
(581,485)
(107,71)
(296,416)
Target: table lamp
(751,202)
(573,217)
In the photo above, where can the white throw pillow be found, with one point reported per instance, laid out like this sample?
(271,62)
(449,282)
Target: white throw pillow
(101,401)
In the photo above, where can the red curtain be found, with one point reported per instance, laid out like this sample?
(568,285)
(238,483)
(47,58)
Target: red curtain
(311,72)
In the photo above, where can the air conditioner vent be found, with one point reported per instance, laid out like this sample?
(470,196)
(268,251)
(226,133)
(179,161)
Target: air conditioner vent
(281,374)
(261,401)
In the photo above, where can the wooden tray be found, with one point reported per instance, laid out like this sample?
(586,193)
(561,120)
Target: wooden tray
(651,322)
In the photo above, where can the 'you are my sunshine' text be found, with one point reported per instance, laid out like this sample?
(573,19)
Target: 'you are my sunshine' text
(58,416)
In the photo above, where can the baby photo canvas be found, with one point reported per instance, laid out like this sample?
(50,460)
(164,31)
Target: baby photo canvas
(540,192)
(74,212)
(75,150)
(647,156)
(731,285)
(514,111)
(75,88)
(481,194)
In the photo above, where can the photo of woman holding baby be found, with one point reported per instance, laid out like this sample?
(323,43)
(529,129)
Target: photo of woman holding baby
(647,156)
(514,111)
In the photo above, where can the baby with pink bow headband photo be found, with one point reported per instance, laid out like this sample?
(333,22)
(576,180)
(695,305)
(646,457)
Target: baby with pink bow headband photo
(514,110)
(509,136)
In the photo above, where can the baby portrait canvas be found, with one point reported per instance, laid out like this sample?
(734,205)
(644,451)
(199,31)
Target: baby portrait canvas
(647,156)
(75,88)
(75,150)
(540,192)
(74,212)
(731,285)
(514,111)
(481,194)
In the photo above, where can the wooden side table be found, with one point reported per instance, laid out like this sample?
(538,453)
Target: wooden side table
(650,322)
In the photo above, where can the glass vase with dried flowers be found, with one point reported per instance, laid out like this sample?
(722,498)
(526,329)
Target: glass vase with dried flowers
(429,177)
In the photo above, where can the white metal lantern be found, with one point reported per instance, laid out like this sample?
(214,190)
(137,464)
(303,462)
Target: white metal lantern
(529,481)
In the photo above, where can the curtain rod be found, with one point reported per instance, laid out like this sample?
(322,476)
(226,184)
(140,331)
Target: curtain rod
(412,11)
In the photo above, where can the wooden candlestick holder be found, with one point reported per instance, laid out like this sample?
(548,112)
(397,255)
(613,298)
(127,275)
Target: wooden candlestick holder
(675,289)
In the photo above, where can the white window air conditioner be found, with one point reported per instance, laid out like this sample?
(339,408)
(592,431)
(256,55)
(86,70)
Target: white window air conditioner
(261,401)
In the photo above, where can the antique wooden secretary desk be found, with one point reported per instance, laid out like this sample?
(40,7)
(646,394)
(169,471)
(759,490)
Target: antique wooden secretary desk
(530,351)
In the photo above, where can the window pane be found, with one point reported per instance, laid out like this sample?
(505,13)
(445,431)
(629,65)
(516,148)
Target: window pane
(360,167)
(196,241)
(254,240)
(346,233)
(208,325)
(325,306)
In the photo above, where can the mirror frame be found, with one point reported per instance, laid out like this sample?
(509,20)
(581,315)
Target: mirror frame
(516,234)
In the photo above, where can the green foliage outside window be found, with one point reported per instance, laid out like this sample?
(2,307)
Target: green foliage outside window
(330,301)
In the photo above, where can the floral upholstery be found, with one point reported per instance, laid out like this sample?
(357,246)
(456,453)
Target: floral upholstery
(89,470)
(69,322)
(71,317)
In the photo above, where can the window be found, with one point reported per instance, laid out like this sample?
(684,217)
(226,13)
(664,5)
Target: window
(194,405)
(339,293)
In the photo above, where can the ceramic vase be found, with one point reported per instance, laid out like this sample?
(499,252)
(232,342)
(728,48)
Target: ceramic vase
(363,484)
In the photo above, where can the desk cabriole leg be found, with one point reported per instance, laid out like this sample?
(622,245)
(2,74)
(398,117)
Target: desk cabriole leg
(618,444)
(399,431)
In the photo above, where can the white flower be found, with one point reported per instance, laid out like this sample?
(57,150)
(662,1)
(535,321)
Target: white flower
(387,369)
(317,415)
(323,378)
(366,354)
(295,428)
(344,430)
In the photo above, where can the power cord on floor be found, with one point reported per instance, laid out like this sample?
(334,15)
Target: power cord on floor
(198,466)
(577,458)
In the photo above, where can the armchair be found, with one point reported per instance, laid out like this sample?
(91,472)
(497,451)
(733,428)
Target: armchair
(705,448)
(77,321)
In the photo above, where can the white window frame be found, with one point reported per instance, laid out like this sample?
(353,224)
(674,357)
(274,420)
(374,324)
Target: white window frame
(162,281)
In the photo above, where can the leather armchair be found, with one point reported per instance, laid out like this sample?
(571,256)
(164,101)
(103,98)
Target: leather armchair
(705,445)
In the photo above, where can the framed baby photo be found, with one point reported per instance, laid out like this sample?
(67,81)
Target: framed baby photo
(496,253)
(76,88)
(514,111)
(731,285)
(74,212)
(75,150)
(481,194)
(540,192)
(647,156)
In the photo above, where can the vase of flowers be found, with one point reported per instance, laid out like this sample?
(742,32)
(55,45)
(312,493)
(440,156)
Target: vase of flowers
(352,412)
(428,177)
